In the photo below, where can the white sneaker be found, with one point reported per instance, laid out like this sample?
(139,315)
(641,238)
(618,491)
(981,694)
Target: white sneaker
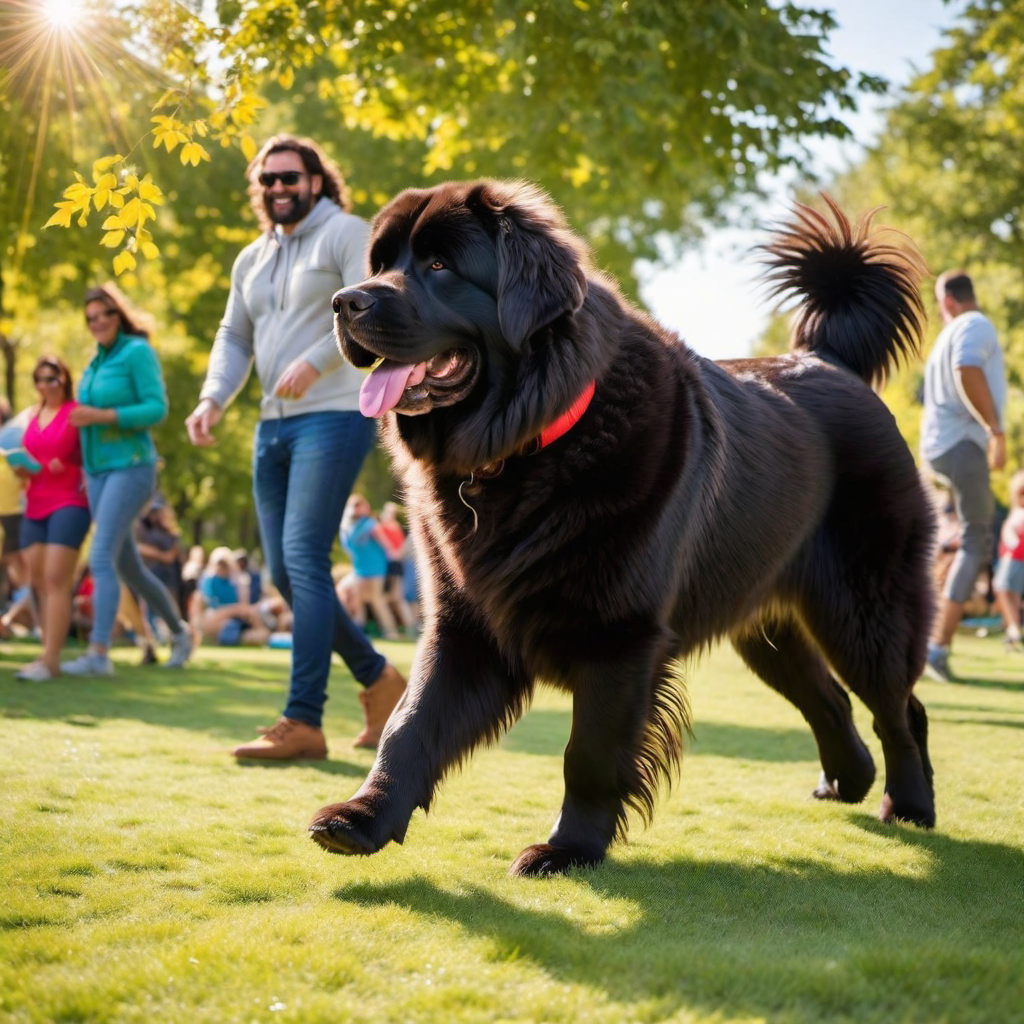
(89,664)
(37,672)
(181,647)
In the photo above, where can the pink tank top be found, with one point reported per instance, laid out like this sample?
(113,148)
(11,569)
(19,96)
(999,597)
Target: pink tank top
(48,490)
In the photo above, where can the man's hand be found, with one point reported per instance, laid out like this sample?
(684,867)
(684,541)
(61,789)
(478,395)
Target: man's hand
(996,450)
(91,416)
(201,422)
(296,380)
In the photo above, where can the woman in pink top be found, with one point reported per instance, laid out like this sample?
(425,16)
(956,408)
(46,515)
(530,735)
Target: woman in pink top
(56,516)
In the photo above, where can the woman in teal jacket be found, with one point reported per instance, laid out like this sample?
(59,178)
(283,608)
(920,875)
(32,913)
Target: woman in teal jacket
(121,396)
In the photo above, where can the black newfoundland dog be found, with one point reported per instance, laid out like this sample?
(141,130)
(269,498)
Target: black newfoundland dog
(592,502)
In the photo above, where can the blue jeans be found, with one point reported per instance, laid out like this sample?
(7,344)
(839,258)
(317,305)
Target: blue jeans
(116,498)
(303,470)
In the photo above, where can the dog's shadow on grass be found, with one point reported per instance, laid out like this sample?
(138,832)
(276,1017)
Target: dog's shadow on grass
(787,942)
(546,731)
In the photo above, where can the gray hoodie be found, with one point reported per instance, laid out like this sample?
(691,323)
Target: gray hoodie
(279,309)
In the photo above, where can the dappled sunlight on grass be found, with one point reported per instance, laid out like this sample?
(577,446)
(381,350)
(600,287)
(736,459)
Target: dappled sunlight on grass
(143,872)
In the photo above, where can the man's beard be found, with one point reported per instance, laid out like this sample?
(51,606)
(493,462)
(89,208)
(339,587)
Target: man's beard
(299,206)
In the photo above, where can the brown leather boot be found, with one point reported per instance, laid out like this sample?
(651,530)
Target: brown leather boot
(379,700)
(288,740)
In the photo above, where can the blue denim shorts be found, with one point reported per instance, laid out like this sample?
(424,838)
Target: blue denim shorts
(66,526)
(1009,575)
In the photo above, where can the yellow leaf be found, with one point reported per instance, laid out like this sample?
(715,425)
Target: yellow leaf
(150,192)
(165,99)
(84,219)
(192,153)
(106,163)
(113,223)
(248,144)
(100,198)
(62,218)
(78,193)
(131,181)
(218,118)
(116,199)
(146,212)
(287,78)
(123,261)
(149,250)
(200,127)
(112,239)
(129,216)
(106,181)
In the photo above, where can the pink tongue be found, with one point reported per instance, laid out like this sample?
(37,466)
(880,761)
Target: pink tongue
(384,386)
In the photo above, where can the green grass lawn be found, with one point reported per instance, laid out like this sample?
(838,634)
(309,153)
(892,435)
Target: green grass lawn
(144,876)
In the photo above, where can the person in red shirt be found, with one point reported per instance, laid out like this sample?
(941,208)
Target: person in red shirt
(56,516)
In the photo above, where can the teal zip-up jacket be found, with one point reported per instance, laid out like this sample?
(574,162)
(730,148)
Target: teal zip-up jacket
(125,377)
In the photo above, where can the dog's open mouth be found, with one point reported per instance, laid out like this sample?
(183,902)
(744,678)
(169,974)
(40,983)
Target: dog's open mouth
(414,388)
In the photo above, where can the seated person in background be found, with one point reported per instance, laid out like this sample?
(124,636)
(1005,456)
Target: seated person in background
(249,580)
(1008,584)
(221,614)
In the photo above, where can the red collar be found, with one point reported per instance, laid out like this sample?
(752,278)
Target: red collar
(568,419)
(548,435)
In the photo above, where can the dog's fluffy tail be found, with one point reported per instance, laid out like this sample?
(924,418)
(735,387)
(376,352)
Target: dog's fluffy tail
(858,289)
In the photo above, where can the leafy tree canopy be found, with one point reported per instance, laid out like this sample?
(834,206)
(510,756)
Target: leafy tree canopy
(642,117)
(639,116)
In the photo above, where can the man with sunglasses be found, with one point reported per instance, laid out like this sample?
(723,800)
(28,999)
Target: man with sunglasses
(311,439)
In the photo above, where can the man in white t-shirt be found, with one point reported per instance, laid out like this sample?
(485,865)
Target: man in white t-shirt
(961,440)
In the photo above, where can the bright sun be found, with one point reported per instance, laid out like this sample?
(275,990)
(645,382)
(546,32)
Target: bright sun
(63,14)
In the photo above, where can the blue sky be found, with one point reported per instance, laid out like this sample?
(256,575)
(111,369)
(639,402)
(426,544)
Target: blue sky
(712,297)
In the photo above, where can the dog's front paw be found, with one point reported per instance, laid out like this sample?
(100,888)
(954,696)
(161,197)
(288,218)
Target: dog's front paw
(545,859)
(345,828)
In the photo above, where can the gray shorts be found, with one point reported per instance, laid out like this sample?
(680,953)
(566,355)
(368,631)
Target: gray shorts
(1009,575)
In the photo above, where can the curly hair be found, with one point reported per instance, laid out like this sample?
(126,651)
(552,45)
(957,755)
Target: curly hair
(313,158)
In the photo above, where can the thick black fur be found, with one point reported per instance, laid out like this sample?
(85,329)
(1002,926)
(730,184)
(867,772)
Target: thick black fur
(772,501)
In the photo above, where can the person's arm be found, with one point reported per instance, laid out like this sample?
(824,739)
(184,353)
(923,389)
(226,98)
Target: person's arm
(381,536)
(232,355)
(151,407)
(977,397)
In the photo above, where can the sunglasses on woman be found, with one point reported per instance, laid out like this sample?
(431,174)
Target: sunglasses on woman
(105,314)
(46,380)
(267,178)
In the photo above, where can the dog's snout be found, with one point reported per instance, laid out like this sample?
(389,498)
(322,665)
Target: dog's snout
(352,302)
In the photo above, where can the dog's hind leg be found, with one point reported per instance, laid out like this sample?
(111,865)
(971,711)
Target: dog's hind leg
(876,644)
(627,721)
(780,653)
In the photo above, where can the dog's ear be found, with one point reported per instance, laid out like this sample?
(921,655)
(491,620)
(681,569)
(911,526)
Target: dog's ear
(541,263)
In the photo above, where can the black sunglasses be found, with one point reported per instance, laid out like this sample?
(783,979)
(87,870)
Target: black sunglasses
(267,178)
(46,380)
(105,314)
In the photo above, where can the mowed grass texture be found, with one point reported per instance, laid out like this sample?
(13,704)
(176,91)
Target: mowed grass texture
(144,876)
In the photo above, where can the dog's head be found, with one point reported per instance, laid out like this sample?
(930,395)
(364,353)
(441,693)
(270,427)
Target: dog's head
(466,319)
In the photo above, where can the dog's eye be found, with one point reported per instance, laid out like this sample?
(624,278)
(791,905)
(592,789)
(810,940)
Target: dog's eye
(438,265)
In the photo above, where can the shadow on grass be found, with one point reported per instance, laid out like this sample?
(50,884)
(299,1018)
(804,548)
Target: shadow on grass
(545,731)
(225,701)
(792,942)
